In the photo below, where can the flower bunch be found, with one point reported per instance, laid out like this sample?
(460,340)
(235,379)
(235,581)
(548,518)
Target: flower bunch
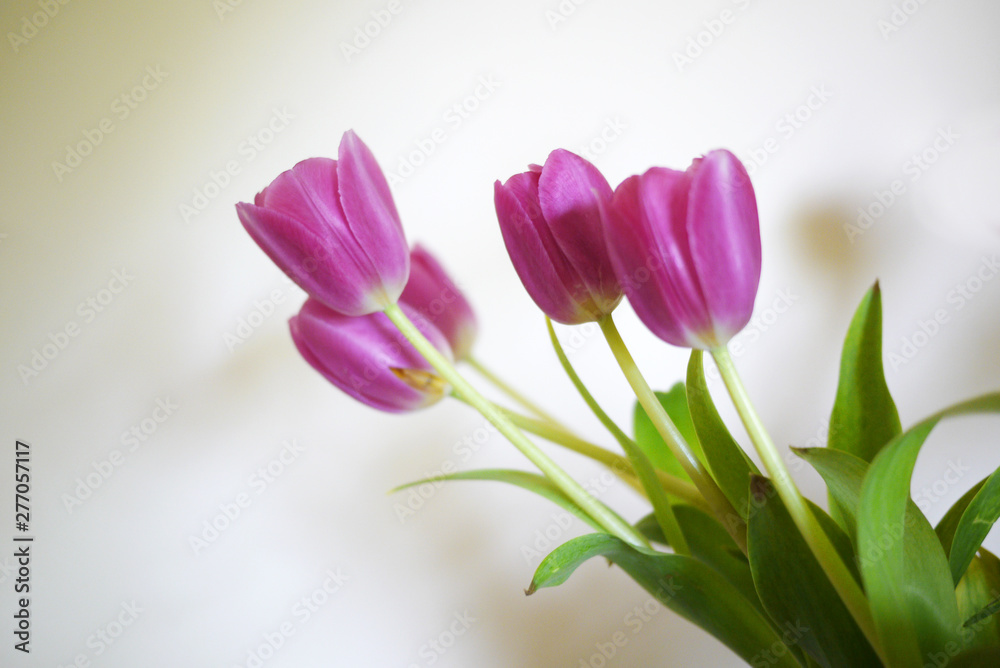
(740,552)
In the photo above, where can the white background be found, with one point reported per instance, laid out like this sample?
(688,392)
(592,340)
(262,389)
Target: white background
(560,79)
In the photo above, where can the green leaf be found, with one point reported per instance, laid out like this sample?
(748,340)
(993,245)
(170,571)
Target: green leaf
(974,658)
(794,589)
(532,482)
(864,415)
(976,522)
(729,465)
(978,594)
(915,612)
(683,584)
(843,474)
(946,528)
(649,439)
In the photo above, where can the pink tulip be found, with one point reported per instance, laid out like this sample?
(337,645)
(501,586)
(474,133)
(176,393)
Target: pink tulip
(686,249)
(432,293)
(368,358)
(551,224)
(332,227)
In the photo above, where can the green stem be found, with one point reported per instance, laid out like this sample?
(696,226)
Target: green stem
(597,510)
(682,489)
(699,475)
(662,508)
(509,390)
(817,540)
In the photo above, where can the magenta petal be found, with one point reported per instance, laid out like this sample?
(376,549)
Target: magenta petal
(358,355)
(570,191)
(640,268)
(371,212)
(663,194)
(724,234)
(546,274)
(306,256)
(431,292)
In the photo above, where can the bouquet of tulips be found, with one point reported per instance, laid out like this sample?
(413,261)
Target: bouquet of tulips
(734,549)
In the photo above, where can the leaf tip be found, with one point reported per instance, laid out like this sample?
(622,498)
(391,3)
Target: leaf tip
(531,589)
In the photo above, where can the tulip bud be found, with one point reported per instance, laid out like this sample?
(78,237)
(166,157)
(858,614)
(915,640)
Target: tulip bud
(332,227)
(432,293)
(551,224)
(686,249)
(368,358)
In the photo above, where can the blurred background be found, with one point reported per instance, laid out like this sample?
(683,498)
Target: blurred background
(201,497)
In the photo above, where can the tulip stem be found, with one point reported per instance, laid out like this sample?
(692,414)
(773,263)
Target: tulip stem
(509,390)
(662,508)
(682,489)
(600,513)
(817,540)
(721,507)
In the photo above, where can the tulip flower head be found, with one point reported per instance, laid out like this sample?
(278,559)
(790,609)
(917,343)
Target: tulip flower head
(686,249)
(432,293)
(550,218)
(368,358)
(332,227)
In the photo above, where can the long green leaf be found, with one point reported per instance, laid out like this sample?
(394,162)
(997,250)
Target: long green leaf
(711,544)
(978,594)
(864,415)
(843,474)
(976,522)
(729,465)
(532,482)
(683,584)
(948,524)
(915,616)
(794,589)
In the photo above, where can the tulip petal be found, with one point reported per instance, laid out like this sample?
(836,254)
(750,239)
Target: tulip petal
(543,269)
(724,234)
(663,195)
(358,354)
(431,292)
(570,190)
(304,253)
(371,212)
